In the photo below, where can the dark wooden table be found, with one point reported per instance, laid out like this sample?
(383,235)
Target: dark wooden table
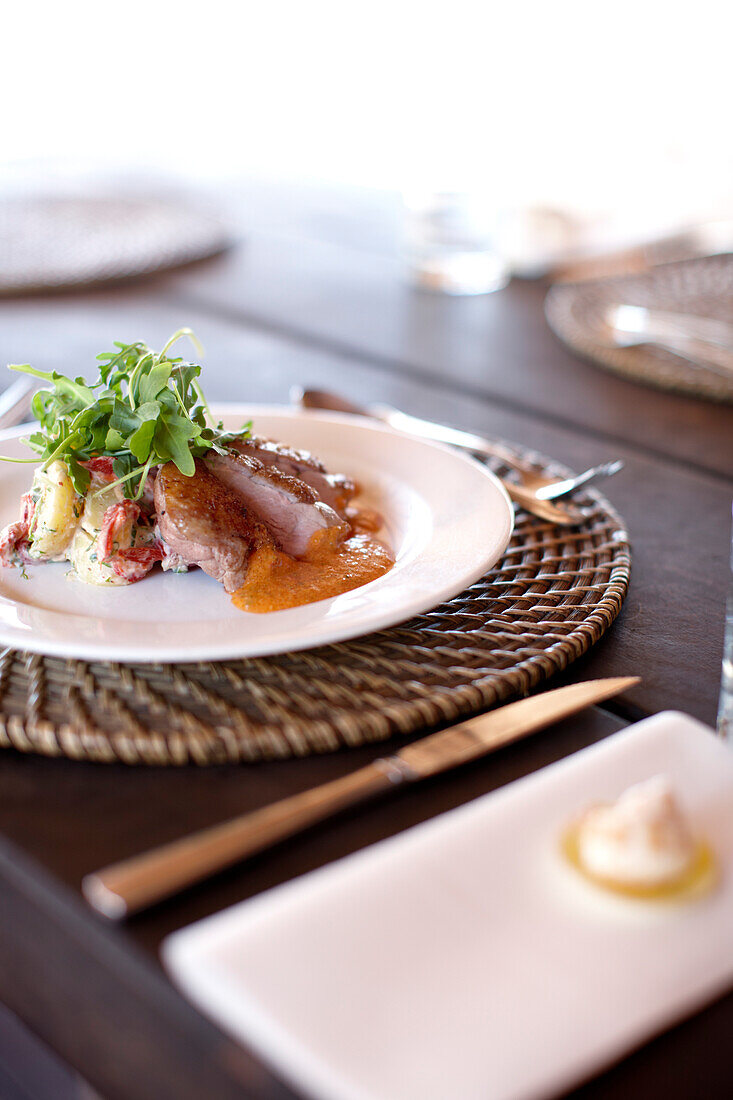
(316,295)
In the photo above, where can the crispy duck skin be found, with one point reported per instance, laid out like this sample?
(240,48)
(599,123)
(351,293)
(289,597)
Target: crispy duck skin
(335,490)
(290,509)
(207,524)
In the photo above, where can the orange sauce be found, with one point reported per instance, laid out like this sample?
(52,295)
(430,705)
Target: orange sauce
(332,565)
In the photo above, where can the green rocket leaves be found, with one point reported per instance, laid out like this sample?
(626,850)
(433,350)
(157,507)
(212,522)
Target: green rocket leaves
(145,408)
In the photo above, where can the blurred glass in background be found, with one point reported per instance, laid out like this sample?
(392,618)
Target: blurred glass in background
(451,242)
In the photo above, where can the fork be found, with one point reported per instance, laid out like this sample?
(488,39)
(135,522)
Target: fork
(540,487)
(557,489)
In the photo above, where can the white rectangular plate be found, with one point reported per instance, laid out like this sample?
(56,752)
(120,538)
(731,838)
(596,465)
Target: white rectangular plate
(463,958)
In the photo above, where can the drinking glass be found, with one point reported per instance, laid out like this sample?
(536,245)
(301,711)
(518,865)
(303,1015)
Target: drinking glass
(451,242)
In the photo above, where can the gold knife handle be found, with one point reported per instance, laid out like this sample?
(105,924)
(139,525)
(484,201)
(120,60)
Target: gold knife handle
(133,884)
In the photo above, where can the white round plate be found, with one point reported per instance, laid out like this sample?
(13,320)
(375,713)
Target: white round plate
(447,520)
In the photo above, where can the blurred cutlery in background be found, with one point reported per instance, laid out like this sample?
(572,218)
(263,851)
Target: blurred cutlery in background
(703,341)
(15,402)
(710,238)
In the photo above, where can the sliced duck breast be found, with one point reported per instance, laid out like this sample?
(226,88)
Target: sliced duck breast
(336,490)
(207,524)
(290,508)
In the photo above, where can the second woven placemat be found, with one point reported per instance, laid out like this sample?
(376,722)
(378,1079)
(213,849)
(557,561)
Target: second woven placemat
(702,287)
(553,594)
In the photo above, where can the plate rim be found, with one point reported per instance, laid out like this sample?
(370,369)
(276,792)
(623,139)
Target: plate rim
(229,650)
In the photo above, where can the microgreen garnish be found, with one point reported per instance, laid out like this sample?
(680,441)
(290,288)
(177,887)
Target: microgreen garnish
(145,408)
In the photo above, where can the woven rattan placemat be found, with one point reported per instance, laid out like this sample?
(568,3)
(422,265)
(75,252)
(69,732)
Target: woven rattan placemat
(704,286)
(52,242)
(553,594)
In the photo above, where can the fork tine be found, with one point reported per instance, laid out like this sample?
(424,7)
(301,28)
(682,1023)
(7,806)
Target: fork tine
(562,488)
